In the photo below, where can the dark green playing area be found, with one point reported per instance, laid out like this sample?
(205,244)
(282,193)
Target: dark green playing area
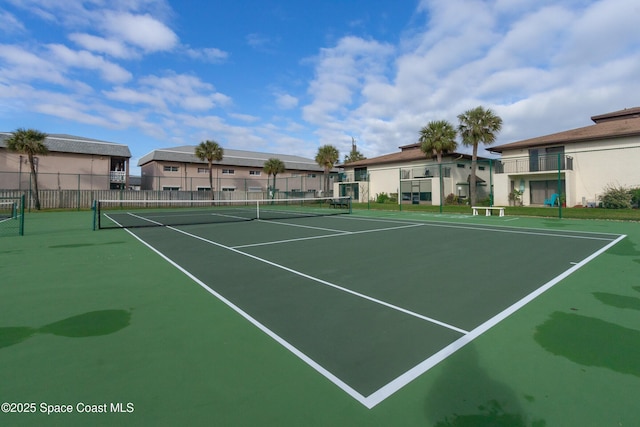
(365,301)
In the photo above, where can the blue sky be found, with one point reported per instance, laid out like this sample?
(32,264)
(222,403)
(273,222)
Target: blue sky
(287,76)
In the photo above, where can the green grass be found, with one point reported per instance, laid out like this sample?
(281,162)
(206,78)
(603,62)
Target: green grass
(574,213)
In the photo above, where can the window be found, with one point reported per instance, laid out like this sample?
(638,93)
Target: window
(254,189)
(167,188)
(311,175)
(171,168)
(229,189)
(255,173)
(204,188)
(203,170)
(460,165)
(228,172)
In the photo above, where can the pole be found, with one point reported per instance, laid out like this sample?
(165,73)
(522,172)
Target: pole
(441,184)
(559,188)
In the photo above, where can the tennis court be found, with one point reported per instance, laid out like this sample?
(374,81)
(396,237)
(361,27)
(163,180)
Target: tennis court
(368,303)
(368,318)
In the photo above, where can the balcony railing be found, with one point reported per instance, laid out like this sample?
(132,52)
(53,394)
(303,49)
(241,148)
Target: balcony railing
(424,172)
(117,176)
(534,164)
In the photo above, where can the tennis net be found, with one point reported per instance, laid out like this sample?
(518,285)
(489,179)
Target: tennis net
(7,209)
(12,215)
(157,213)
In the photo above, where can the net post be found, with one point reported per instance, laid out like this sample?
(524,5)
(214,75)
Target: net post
(93,208)
(257,209)
(22,200)
(350,206)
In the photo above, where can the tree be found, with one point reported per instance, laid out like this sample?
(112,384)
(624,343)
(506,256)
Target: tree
(478,126)
(436,138)
(354,155)
(210,151)
(31,143)
(327,157)
(273,166)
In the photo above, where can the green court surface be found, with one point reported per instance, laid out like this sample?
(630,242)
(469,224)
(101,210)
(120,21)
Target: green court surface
(374,318)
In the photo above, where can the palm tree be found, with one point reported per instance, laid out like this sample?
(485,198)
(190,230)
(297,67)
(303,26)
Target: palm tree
(478,125)
(210,151)
(273,167)
(31,143)
(436,138)
(327,157)
(354,155)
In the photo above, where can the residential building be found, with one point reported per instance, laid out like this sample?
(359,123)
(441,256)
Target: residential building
(414,177)
(73,163)
(178,168)
(577,164)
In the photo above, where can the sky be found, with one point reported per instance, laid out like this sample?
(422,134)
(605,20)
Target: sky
(288,76)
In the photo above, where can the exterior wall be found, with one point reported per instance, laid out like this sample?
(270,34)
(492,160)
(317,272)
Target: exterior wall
(55,171)
(387,178)
(595,165)
(195,176)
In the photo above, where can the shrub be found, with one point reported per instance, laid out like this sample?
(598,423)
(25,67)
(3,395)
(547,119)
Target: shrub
(635,197)
(616,197)
(451,199)
(382,198)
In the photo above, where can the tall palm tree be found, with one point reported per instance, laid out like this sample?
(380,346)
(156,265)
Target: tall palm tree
(436,138)
(31,143)
(354,155)
(327,157)
(273,167)
(210,151)
(478,126)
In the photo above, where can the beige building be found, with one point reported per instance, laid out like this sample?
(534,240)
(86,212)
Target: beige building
(238,172)
(414,177)
(577,164)
(72,163)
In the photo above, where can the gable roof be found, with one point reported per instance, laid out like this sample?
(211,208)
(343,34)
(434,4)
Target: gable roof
(186,154)
(618,124)
(407,153)
(63,143)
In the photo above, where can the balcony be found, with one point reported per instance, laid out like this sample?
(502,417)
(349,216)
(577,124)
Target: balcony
(117,176)
(551,163)
(424,172)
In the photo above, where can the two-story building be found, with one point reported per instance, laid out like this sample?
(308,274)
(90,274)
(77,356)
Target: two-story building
(576,164)
(414,177)
(73,163)
(178,168)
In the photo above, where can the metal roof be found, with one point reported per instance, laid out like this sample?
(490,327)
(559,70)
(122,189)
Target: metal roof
(186,154)
(77,144)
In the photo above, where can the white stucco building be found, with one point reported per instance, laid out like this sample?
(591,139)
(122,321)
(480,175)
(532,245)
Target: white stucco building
(578,164)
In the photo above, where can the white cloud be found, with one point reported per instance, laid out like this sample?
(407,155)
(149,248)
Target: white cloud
(143,31)
(286,101)
(9,23)
(114,48)
(82,59)
(210,54)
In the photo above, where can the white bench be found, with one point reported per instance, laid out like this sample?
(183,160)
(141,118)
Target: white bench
(488,210)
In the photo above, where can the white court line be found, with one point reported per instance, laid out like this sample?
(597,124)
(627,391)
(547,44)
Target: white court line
(324,236)
(503,229)
(324,282)
(319,368)
(390,388)
(404,379)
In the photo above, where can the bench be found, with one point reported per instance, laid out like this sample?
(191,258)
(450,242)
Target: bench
(488,210)
(339,203)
